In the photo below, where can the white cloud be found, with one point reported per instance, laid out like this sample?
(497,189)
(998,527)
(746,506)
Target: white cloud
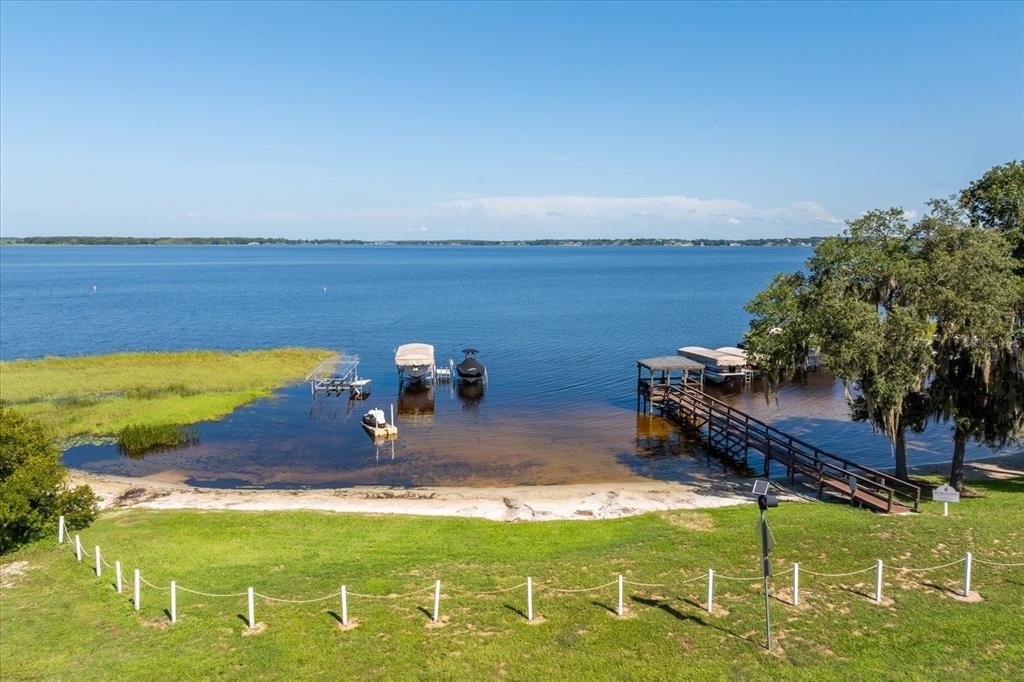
(672,208)
(190,214)
(910,216)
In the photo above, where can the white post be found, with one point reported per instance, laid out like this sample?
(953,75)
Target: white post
(174,602)
(98,569)
(796,584)
(711,587)
(78,548)
(529,599)
(138,589)
(344,606)
(437,598)
(60,531)
(392,414)
(878,581)
(117,570)
(967,575)
(252,610)
(945,508)
(620,595)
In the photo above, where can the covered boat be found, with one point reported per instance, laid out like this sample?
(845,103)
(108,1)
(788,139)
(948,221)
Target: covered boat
(470,369)
(719,364)
(415,361)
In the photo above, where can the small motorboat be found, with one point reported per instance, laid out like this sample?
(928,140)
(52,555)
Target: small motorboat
(470,369)
(377,425)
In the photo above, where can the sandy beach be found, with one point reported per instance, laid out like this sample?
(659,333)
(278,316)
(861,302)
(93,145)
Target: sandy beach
(517,503)
(520,503)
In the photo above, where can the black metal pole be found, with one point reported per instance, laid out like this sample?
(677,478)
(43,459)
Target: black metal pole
(767,569)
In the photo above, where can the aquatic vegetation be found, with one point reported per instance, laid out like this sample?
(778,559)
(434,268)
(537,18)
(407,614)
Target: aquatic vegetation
(104,394)
(138,440)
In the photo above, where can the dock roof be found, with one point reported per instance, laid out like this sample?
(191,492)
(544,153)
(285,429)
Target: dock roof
(675,363)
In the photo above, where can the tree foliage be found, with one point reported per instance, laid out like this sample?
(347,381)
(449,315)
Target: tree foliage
(920,321)
(33,484)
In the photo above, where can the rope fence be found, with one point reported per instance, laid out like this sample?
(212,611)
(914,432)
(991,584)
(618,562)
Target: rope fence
(620,581)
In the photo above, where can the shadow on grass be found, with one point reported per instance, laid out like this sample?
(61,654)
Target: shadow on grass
(336,616)
(605,607)
(684,617)
(859,593)
(942,588)
(244,620)
(425,612)
(516,610)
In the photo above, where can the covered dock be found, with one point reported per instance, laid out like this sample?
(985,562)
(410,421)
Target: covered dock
(654,377)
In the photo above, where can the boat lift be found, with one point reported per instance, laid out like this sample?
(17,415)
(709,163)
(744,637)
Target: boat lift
(337,375)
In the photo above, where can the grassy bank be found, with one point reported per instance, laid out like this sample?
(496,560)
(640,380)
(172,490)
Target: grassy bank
(59,620)
(103,394)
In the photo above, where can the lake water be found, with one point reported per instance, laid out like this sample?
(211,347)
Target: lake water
(559,329)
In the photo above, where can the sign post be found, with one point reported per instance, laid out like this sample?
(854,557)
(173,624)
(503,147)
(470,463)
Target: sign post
(945,494)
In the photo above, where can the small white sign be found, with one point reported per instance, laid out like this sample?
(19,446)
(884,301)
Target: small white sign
(945,493)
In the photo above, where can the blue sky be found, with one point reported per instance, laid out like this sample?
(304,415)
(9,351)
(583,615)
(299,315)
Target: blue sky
(497,121)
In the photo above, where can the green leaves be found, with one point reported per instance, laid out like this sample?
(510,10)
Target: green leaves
(32,484)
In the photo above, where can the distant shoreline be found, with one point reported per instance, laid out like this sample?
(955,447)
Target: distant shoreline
(269,241)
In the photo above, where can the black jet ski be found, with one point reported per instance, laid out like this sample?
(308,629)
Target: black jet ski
(470,369)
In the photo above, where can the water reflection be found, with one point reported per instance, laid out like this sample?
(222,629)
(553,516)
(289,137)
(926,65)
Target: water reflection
(471,394)
(416,404)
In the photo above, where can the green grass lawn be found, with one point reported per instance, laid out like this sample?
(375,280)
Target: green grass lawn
(58,620)
(102,394)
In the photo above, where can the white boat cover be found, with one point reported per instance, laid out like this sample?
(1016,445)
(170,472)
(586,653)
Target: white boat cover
(414,354)
(733,350)
(376,417)
(713,357)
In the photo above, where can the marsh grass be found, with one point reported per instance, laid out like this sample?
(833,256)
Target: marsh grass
(138,440)
(104,394)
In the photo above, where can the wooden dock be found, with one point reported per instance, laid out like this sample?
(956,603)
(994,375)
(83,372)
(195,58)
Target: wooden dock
(736,435)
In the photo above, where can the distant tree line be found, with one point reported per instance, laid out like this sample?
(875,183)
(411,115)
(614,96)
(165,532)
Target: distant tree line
(922,321)
(243,241)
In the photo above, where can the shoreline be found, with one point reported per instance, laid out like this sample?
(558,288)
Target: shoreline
(515,503)
(576,501)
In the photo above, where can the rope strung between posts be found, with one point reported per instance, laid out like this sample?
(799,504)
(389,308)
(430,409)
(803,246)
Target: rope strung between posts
(391,596)
(484,594)
(630,582)
(836,575)
(930,568)
(585,589)
(208,594)
(155,587)
(996,563)
(332,595)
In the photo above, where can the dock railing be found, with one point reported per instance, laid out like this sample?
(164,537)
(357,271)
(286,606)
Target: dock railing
(796,454)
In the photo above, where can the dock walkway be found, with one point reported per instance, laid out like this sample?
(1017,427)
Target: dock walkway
(736,434)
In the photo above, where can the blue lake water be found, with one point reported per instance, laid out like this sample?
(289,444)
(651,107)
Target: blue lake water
(559,329)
